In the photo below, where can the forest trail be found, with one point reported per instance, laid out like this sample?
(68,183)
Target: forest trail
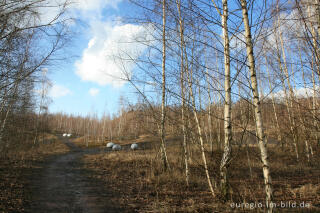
(65,186)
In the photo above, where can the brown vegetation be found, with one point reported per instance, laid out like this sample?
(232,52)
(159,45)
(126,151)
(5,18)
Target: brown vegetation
(19,167)
(137,177)
(270,122)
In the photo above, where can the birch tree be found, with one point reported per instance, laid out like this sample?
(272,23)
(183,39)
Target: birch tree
(199,128)
(227,104)
(182,80)
(163,110)
(257,110)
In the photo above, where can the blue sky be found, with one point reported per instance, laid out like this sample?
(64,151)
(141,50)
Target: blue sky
(89,83)
(89,80)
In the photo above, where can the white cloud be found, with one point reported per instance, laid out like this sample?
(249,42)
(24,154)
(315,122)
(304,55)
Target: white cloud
(109,57)
(237,41)
(112,45)
(80,9)
(290,25)
(57,91)
(50,10)
(299,93)
(94,91)
(95,4)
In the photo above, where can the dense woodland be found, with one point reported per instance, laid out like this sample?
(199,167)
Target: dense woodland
(217,75)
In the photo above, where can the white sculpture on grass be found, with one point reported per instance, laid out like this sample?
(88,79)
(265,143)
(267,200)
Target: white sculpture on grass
(110,145)
(134,146)
(116,147)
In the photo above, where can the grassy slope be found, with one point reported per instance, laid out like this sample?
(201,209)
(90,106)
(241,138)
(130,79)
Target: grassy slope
(141,184)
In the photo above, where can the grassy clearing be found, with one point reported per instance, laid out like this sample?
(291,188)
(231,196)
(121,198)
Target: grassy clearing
(93,142)
(137,177)
(18,166)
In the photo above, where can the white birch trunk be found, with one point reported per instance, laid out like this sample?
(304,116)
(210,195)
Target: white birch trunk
(258,116)
(199,129)
(182,79)
(274,108)
(227,106)
(162,130)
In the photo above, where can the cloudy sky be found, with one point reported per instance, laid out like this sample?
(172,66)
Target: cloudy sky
(90,81)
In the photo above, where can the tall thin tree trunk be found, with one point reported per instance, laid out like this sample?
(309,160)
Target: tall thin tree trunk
(291,96)
(209,113)
(4,122)
(225,161)
(244,126)
(305,86)
(182,79)
(218,118)
(40,107)
(258,116)
(316,68)
(274,108)
(314,102)
(302,120)
(103,127)
(185,149)
(195,114)
(163,113)
(219,122)
(315,37)
(110,131)
(288,100)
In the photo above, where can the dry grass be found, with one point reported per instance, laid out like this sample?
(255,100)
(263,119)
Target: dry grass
(93,142)
(88,142)
(37,151)
(144,186)
(140,181)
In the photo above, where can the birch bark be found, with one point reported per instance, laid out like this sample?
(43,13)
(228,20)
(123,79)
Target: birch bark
(257,111)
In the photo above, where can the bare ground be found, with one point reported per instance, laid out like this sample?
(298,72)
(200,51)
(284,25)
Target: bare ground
(64,186)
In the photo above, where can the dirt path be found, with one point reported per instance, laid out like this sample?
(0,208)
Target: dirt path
(64,186)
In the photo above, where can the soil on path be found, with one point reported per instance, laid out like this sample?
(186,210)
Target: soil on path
(65,186)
